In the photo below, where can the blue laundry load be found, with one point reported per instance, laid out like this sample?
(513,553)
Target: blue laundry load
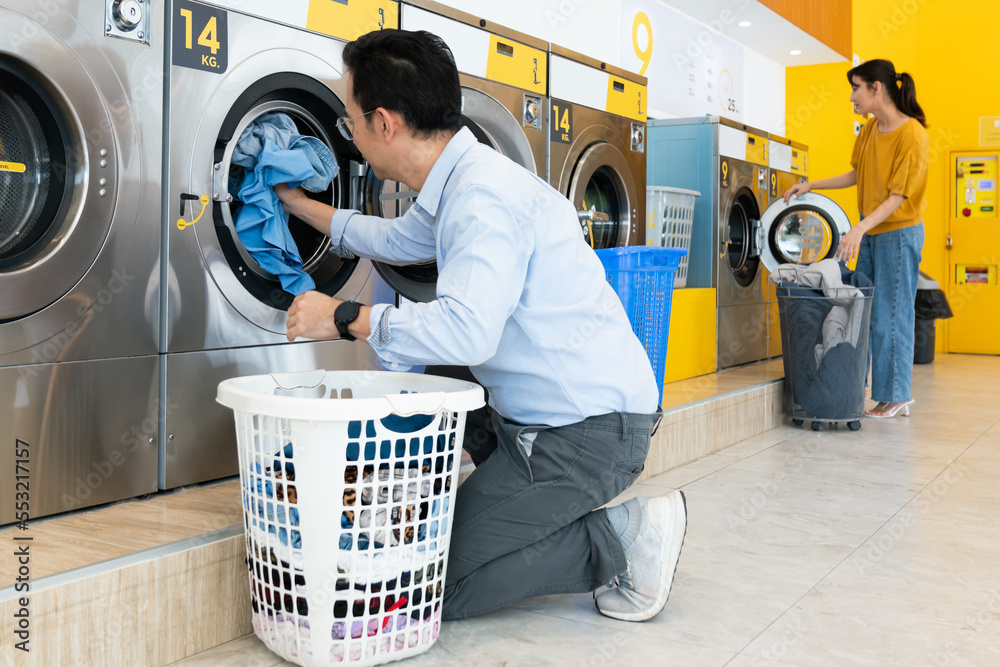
(272,152)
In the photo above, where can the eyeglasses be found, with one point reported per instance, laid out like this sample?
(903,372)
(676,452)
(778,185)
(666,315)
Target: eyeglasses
(346,125)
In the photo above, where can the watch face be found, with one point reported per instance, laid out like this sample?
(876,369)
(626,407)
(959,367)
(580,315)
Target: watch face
(346,312)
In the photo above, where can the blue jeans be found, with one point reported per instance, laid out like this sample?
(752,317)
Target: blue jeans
(892,261)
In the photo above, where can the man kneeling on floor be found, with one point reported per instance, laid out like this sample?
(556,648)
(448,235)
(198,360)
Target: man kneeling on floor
(522,301)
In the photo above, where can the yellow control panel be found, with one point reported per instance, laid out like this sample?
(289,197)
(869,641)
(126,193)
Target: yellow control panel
(350,20)
(976,186)
(517,64)
(757,149)
(800,162)
(626,98)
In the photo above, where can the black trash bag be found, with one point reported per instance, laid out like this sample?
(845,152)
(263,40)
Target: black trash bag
(932,304)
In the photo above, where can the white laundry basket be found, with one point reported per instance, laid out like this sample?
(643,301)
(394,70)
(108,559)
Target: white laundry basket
(669,221)
(348,481)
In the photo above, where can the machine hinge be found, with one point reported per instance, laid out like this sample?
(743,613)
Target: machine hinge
(948,242)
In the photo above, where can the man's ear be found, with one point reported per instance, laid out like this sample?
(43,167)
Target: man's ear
(389,123)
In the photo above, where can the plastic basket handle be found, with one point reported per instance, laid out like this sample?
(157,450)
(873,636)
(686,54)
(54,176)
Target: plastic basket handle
(416,404)
(300,380)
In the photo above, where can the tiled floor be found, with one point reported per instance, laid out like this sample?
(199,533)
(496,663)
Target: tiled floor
(875,547)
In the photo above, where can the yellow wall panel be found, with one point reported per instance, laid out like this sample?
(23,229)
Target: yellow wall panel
(920,37)
(691,347)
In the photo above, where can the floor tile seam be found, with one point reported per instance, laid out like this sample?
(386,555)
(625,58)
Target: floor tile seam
(812,588)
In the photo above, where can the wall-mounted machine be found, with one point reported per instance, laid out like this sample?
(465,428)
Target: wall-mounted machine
(80,152)
(728,163)
(973,267)
(225,315)
(503,77)
(789,165)
(597,149)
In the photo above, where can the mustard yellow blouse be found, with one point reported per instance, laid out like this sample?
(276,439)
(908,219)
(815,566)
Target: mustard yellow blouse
(892,163)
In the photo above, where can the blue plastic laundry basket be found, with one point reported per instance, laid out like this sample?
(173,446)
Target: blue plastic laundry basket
(643,278)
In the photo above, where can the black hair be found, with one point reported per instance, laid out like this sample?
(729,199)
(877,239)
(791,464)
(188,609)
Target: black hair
(900,87)
(413,73)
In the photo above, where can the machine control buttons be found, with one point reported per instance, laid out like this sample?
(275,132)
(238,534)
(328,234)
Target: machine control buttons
(127,14)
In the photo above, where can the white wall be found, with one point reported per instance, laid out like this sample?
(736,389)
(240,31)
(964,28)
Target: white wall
(594,28)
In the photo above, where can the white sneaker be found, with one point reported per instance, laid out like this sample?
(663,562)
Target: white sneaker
(651,556)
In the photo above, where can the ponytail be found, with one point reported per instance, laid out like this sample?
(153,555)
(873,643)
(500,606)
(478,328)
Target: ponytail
(906,98)
(900,87)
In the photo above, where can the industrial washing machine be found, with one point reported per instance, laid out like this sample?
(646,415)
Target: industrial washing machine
(788,162)
(728,163)
(223,314)
(597,146)
(503,77)
(80,153)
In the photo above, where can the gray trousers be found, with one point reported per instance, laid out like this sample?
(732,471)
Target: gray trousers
(525,524)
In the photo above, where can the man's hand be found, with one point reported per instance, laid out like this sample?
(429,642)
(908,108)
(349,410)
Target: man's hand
(311,316)
(291,199)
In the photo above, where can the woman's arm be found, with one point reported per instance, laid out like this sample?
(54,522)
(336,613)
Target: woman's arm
(851,241)
(832,183)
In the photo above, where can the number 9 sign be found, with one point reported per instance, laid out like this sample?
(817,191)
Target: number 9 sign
(644,55)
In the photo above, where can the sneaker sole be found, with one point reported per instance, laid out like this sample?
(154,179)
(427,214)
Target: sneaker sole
(672,516)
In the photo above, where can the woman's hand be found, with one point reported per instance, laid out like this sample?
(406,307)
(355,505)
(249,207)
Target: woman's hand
(311,316)
(796,190)
(850,243)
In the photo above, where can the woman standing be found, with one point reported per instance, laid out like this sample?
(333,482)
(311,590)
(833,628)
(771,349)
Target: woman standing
(890,169)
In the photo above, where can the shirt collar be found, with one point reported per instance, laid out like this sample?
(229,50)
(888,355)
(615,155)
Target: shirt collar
(430,195)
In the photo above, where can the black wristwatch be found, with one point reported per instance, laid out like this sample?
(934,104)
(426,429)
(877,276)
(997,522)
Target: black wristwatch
(346,313)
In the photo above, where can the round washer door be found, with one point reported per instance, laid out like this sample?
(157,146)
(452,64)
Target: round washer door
(494,126)
(596,180)
(805,230)
(57,201)
(741,232)
(313,107)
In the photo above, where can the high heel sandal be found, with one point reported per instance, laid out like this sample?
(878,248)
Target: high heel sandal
(904,407)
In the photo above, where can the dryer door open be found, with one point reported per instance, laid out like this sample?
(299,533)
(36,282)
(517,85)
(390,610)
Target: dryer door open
(805,230)
(494,126)
(314,109)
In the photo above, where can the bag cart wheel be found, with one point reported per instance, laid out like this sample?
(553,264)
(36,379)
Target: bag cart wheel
(854,425)
(797,422)
(817,426)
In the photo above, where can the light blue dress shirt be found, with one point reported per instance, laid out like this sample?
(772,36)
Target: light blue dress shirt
(521,298)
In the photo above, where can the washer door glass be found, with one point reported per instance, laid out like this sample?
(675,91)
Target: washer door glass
(35,176)
(742,226)
(804,231)
(602,197)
